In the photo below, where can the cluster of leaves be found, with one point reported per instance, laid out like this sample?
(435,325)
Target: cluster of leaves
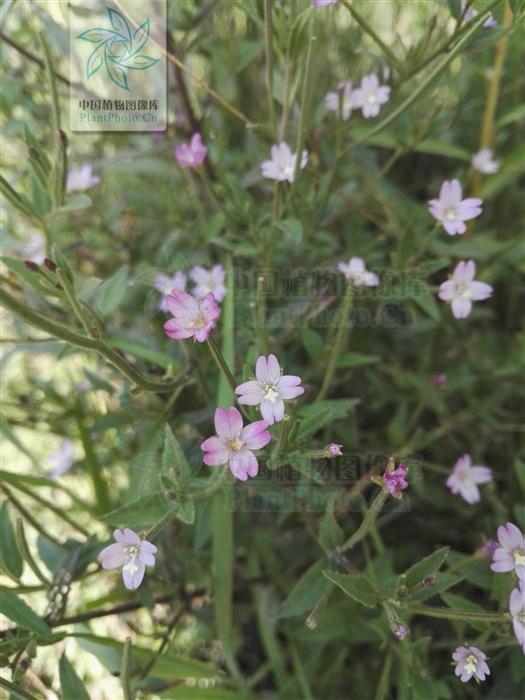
(254,566)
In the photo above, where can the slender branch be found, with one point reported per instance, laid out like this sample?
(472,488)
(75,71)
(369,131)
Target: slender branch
(31,57)
(116,610)
(125,670)
(27,515)
(221,362)
(302,115)
(367,522)
(338,342)
(464,615)
(268,35)
(21,541)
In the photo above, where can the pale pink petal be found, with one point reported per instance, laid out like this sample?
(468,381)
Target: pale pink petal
(267,411)
(256,435)
(455,193)
(243,464)
(469,208)
(480,290)
(481,475)
(249,393)
(446,290)
(510,536)
(290,392)
(228,422)
(461,307)
(278,410)
(261,370)
(126,537)
(274,370)
(112,556)
(464,271)
(133,579)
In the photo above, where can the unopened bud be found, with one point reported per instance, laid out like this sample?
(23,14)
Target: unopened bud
(430,581)
(50,264)
(31,265)
(400,631)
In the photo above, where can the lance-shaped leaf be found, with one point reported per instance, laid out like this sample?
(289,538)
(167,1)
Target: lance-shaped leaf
(119,23)
(138,62)
(96,36)
(141,36)
(116,73)
(359,588)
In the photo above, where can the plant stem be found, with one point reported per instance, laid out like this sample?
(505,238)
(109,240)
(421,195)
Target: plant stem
(260,315)
(221,362)
(59,160)
(464,615)
(99,483)
(367,522)
(302,115)
(157,527)
(384,679)
(26,552)
(73,301)
(27,515)
(58,330)
(372,34)
(338,342)
(268,35)
(125,670)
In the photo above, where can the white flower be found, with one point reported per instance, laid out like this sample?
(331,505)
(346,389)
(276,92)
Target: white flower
(282,165)
(34,248)
(355,270)
(130,554)
(166,284)
(470,663)
(465,479)
(207,281)
(62,459)
(81,179)
(483,162)
(463,289)
(346,94)
(370,95)
(517,610)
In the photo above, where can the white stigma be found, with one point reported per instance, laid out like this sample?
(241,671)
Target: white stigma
(271,393)
(472,663)
(519,557)
(450,214)
(371,98)
(236,444)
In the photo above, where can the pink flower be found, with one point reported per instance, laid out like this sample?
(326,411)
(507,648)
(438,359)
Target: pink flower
(270,390)
(355,270)
(470,662)
(333,450)
(439,381)
(166,284)
(463,289)
(400,631)
(282,165)
(234,444)
(510,555)
(192,318)
(344,93)
(62,459)
(470,13)
(207,281)
(323,3)
(483,161)
(489,548)
(395,480)
(451,210)
(370,95)
(131,554)
(81,179)
(192,154)
(465,479)
(517,610)
(33,248)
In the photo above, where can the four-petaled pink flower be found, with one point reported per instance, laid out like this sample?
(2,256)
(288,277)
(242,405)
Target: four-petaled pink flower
(510,554)
(344,95)
(463,289)
(192,154)
(395,481)
(483,161)
(517,610)
(333,450)
(233,445)
(370,95)
(282,165)
(129,553)
(451,210)
(192,318)
(81,179)
(465,479)
(355,270)
(166,284)
(270,389)
(470,662)
(207,281)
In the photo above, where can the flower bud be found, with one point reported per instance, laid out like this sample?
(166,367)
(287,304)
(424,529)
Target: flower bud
(50,264)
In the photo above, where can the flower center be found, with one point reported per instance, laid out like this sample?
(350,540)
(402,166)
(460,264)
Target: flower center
(371,98)
(472,663)
(463,290)
(198,322)
(236,444)
(271,393)
(132,552)
(450,214)
(519,557)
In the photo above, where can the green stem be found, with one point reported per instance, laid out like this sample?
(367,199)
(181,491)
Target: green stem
(157,527)
(28,517)
(26,552)
(15,691)
(429,81)
(33,318)
(73,301)
(59,161)
(464,615)
(221,362)
(384,679)
(302,115)
(260,315)
(368,521)
(338,342)
(95,471)
(268,34)
(372,34)
(125,674)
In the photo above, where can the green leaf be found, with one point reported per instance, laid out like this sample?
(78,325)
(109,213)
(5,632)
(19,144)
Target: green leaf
(74,203)
(184,509)
(292,229)
(70,684)
(137,349)
(315,422)
(19,612)
(174,462)
(112,291)
(10,557)
(306,592)
(424,298)
(359,588)
(357,359)
(426,567)
(63,263)
(330,533)
(455,8)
